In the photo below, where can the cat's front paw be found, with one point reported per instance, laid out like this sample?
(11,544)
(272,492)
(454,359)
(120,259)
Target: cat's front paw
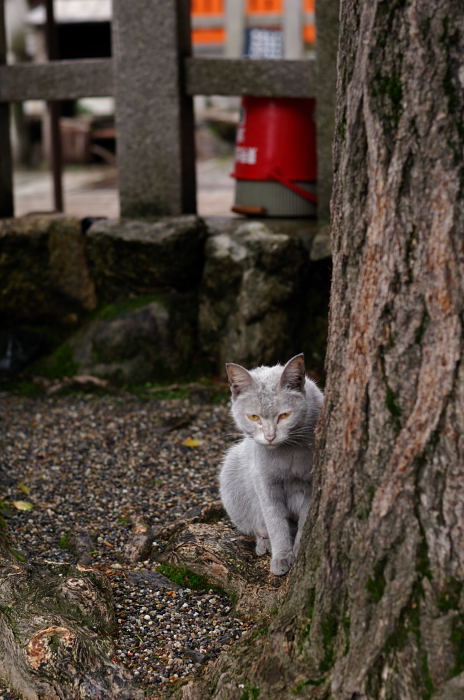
(263,545)
(281,563)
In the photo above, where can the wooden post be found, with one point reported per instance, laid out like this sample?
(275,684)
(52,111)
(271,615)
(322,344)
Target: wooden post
(154,116)
(235,28)
(293,29)
(6,161)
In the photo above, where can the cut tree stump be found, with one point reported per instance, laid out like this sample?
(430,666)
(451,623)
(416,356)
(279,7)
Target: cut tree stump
(56,623)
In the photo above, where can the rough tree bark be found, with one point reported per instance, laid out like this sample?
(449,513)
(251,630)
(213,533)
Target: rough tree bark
(56,625)
(375,605)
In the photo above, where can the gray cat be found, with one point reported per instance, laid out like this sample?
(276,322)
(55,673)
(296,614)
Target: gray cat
(265,480)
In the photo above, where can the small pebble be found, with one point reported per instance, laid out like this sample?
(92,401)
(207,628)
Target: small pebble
(91,464)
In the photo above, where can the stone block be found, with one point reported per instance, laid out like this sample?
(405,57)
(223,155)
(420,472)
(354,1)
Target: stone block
(43,270)
(252,292)
(152,341)
(130,257)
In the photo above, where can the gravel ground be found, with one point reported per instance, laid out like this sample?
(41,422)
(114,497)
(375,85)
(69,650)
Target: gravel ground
(89,465)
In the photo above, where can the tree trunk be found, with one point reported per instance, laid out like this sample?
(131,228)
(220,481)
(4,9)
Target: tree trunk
(375,606)
(56,626)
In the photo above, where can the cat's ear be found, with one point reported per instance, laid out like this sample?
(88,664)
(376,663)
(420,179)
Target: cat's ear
(293,376)
(239,378)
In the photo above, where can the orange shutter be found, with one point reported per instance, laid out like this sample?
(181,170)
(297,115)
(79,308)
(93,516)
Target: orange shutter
(207,7)
(260,7)
(212,34)
(309,30)
(208,36)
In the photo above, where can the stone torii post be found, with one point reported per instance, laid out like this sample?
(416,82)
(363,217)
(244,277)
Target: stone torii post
(154,115)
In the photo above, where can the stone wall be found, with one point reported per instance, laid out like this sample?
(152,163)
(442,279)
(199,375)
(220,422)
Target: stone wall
(137,301)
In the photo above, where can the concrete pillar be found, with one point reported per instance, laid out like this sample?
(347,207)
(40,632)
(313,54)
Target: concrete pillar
(293,29)
(235,28)
(154,117)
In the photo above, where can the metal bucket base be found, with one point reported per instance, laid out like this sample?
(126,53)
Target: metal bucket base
(268,198)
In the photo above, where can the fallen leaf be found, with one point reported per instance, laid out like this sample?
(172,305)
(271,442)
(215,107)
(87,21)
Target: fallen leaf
(22,505)
(191,442)
(25,489)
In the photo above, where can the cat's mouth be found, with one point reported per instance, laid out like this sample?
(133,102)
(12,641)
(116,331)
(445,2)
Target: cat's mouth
(267,443)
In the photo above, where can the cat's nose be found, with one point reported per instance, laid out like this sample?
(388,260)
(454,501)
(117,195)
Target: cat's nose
(270,438)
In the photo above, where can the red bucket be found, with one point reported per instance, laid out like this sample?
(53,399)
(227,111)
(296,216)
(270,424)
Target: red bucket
(275,157)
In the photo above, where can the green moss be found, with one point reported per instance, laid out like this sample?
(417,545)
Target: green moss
(365,502)
(309,611)
(60,364)
(450,597)
(457,640)
(376,585)
(390,87)
(409,626)
(158,391)
(250,693)
(414,623)
(341,127)
(28,389)
(423,563)
(54,643)
(3,508)
(387,93)
(116,308)
(426,677)
(18,555)
(299,687)
(329,627)
(220,397)
(346,623)
(310,602)
(233,597)
(186,578)
(392,406)
(260,632)
(7,611)
(64,541)
(305,632)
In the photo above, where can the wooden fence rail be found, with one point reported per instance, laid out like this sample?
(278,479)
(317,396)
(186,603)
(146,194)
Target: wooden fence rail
(153,77)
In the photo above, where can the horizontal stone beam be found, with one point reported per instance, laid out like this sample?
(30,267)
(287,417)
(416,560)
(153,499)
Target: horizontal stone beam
(57,80)
(242,76)
(70,80)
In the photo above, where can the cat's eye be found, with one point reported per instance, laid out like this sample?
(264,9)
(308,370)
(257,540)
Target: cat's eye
(253,416)
(283,416)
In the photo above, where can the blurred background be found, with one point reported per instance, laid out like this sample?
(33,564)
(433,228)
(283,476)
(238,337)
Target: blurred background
(253,29)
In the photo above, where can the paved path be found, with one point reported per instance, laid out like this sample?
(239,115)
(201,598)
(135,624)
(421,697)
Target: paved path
(92,190)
